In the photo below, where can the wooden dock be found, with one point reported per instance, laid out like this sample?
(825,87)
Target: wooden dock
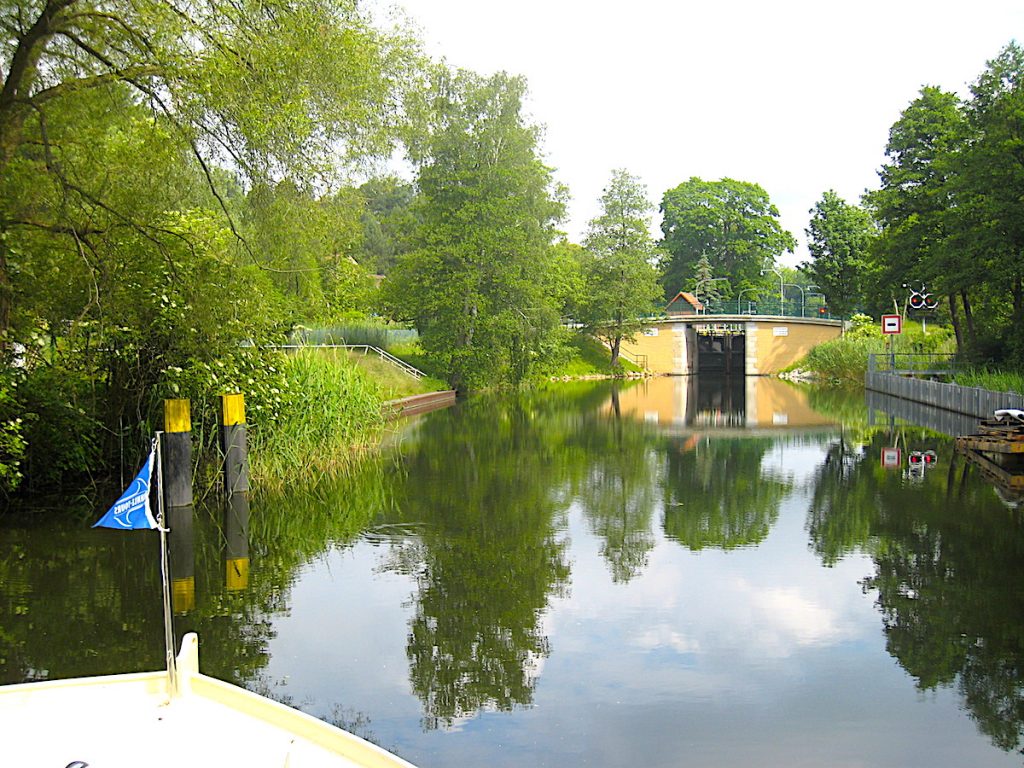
(997,448)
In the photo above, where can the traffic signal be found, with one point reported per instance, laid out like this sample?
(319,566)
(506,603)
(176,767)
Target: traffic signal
(822,311)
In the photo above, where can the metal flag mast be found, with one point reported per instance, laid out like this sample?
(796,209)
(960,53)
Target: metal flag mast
(165,577)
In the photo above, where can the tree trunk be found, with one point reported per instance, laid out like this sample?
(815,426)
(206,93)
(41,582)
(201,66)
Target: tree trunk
(968,319)
(954,317)
(6,301)
(616,344)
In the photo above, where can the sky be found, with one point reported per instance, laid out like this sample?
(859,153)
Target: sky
(797,96)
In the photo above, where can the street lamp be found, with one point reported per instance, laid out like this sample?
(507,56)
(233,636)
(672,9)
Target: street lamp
(739,295)
(794,285)
(782,298)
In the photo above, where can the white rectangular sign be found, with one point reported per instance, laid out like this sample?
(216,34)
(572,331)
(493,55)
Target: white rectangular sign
(892,324)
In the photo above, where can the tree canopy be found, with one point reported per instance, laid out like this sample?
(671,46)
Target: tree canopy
(731,222)
(838,238)
(475,284)
(620,281)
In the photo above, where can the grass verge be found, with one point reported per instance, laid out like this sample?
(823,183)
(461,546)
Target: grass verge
(334,412)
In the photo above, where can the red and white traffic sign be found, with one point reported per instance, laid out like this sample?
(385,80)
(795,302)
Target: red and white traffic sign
(892,324)
(891,456)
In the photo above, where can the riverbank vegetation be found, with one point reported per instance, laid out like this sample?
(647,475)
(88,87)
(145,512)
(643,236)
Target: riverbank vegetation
(182,195)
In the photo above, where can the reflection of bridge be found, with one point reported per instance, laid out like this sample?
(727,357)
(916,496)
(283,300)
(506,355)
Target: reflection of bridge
(720,406)
(743,344)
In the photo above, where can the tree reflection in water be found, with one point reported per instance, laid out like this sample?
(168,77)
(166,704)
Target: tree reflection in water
(947,558)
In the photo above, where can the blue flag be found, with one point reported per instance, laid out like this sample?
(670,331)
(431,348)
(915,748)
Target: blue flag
(132,510)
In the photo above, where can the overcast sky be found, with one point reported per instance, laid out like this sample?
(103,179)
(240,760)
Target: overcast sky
(797,96)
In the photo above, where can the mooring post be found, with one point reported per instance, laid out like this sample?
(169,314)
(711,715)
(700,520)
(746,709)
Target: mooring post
(181,546)
(177,453)
(236,540)
(233,442)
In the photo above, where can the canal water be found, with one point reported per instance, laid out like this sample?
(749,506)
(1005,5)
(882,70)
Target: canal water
(681,572)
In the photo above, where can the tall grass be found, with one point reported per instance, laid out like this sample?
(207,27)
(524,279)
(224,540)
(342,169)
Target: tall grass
(374,333)
(997,381)
(335,411)
(845,360)
(842,360)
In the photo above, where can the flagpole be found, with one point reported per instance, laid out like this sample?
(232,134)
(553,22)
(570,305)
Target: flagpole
(165,570)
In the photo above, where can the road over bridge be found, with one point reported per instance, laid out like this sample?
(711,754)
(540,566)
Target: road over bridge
(752,345)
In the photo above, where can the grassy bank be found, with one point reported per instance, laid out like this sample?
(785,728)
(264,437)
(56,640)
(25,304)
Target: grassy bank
(845,360)
(333,412)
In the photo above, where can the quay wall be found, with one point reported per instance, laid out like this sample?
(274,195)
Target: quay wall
(972,401)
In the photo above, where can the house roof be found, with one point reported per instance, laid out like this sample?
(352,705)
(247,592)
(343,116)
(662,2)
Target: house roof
(684,304)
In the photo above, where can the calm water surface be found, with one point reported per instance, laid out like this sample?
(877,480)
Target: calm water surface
(677,573)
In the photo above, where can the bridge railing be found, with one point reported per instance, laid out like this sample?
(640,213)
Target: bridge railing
(787,308)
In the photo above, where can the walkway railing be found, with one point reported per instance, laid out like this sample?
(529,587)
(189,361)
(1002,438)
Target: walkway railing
(913,364)
(416,373)
(788,308)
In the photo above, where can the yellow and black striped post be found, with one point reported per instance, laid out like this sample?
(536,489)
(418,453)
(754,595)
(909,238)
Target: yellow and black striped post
(182,551)
(233,442)
(177,453)
(236,538)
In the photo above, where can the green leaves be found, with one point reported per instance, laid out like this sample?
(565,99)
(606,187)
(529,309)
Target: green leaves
(838,238)
(620,283)
(732,222)
(474,285)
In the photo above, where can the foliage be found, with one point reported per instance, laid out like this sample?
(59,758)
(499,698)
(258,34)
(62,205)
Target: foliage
(704,285)
(949,208)
(157,211)
(845,360)
(332,409)
(620,282)
(731,222)
(388,220)
(838,238)
(12,439)
(475,286)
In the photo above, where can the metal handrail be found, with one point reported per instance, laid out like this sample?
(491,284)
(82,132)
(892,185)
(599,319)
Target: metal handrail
(901,363)
(413,371)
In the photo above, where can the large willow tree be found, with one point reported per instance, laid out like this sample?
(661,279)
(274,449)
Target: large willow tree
(132,133)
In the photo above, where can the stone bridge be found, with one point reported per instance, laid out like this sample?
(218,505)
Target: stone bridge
(751,345)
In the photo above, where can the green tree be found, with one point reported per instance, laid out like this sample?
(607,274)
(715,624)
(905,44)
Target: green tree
(838,238)
(474,285)
(732,222)
(704,282)
(621,283)
(990,188)
(388,222)
(120,229)
(912,206)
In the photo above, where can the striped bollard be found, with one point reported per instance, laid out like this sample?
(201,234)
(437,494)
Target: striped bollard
(176,453)
(233,443)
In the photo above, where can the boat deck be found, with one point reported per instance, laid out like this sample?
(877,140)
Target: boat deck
(130,721)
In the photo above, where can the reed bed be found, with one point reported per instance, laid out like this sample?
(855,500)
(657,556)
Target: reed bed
(335,413)
(994,380)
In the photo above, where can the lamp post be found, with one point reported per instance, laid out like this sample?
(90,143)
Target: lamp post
(782,297)
(739,296)
(801,289)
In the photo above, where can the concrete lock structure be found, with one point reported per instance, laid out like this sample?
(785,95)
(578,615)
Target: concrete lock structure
(738,344)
